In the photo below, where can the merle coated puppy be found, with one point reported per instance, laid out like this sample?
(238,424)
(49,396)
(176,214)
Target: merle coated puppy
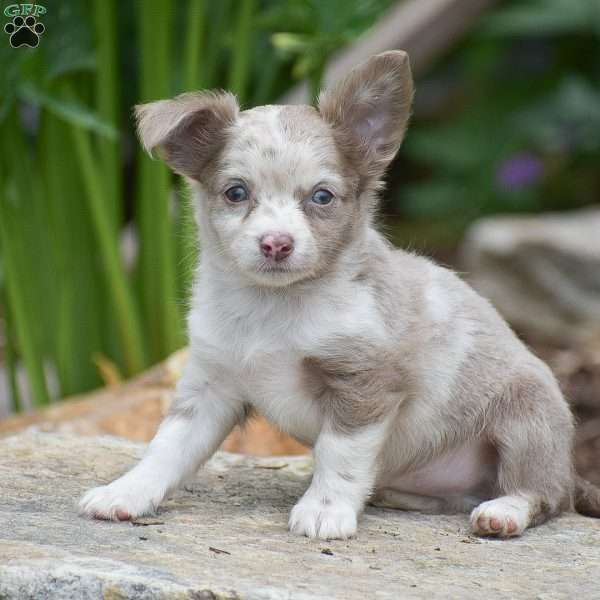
(411,389)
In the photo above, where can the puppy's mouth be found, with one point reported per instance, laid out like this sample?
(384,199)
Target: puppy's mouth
(282,273)
(276,267)
(271,273)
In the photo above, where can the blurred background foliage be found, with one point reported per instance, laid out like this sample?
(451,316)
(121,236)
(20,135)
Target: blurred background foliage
(97,244)
(510,120)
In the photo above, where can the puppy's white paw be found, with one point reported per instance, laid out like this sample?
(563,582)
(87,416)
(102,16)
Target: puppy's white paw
(507,516)
(123,499)
(318,519)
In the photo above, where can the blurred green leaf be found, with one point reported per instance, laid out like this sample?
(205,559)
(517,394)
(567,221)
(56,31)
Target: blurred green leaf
(434,199)
(290,43)
(318,30)
(453,147)
(67,45)
(545,17)
(13,69)
(72,111)
(567,119)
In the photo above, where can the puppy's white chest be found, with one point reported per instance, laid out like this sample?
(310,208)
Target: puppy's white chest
(259,345)
(275,383)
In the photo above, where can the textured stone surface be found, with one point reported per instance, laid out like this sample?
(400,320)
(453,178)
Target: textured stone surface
(541,272)
(225,537)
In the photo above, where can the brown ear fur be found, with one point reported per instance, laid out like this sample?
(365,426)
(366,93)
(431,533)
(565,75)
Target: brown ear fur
(369,111)
(188,130)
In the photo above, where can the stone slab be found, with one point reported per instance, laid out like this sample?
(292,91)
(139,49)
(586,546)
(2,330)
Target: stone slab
(225,537)
(542,272)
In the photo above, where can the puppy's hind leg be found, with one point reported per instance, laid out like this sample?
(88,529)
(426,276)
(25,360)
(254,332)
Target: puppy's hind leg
(390,498)
(532,429)
(197,424)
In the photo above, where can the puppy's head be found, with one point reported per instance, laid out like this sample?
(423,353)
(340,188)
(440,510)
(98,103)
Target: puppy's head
(285,189)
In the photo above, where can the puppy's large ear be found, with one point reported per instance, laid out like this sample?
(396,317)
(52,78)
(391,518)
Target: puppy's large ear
(369,110)
(187,131)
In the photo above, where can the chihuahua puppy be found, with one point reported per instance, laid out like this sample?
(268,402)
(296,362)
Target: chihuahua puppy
(411,389)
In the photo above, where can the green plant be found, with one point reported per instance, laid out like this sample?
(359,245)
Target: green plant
(73,186)
(318,30)
(517,123)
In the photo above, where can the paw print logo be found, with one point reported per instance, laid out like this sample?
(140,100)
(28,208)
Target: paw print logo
(24,32)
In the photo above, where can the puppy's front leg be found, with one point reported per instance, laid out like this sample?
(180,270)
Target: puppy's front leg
(344,475)
(200,419)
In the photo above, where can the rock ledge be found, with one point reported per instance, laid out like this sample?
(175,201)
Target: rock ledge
(225,537)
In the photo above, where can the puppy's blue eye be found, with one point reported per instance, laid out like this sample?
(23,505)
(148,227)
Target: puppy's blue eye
(237,193)
(322,197)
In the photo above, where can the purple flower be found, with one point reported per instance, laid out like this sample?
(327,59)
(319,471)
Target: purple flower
(519,171)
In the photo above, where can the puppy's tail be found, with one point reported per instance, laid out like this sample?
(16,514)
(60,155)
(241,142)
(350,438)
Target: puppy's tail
(587,498)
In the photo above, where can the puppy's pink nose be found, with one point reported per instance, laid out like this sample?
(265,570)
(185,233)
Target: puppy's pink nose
(276,246)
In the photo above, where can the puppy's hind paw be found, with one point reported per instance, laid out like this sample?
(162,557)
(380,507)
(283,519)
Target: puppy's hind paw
(316,519)
(115,502)
(504,517)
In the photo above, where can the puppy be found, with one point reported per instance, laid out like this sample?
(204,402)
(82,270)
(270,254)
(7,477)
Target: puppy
(410,388)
